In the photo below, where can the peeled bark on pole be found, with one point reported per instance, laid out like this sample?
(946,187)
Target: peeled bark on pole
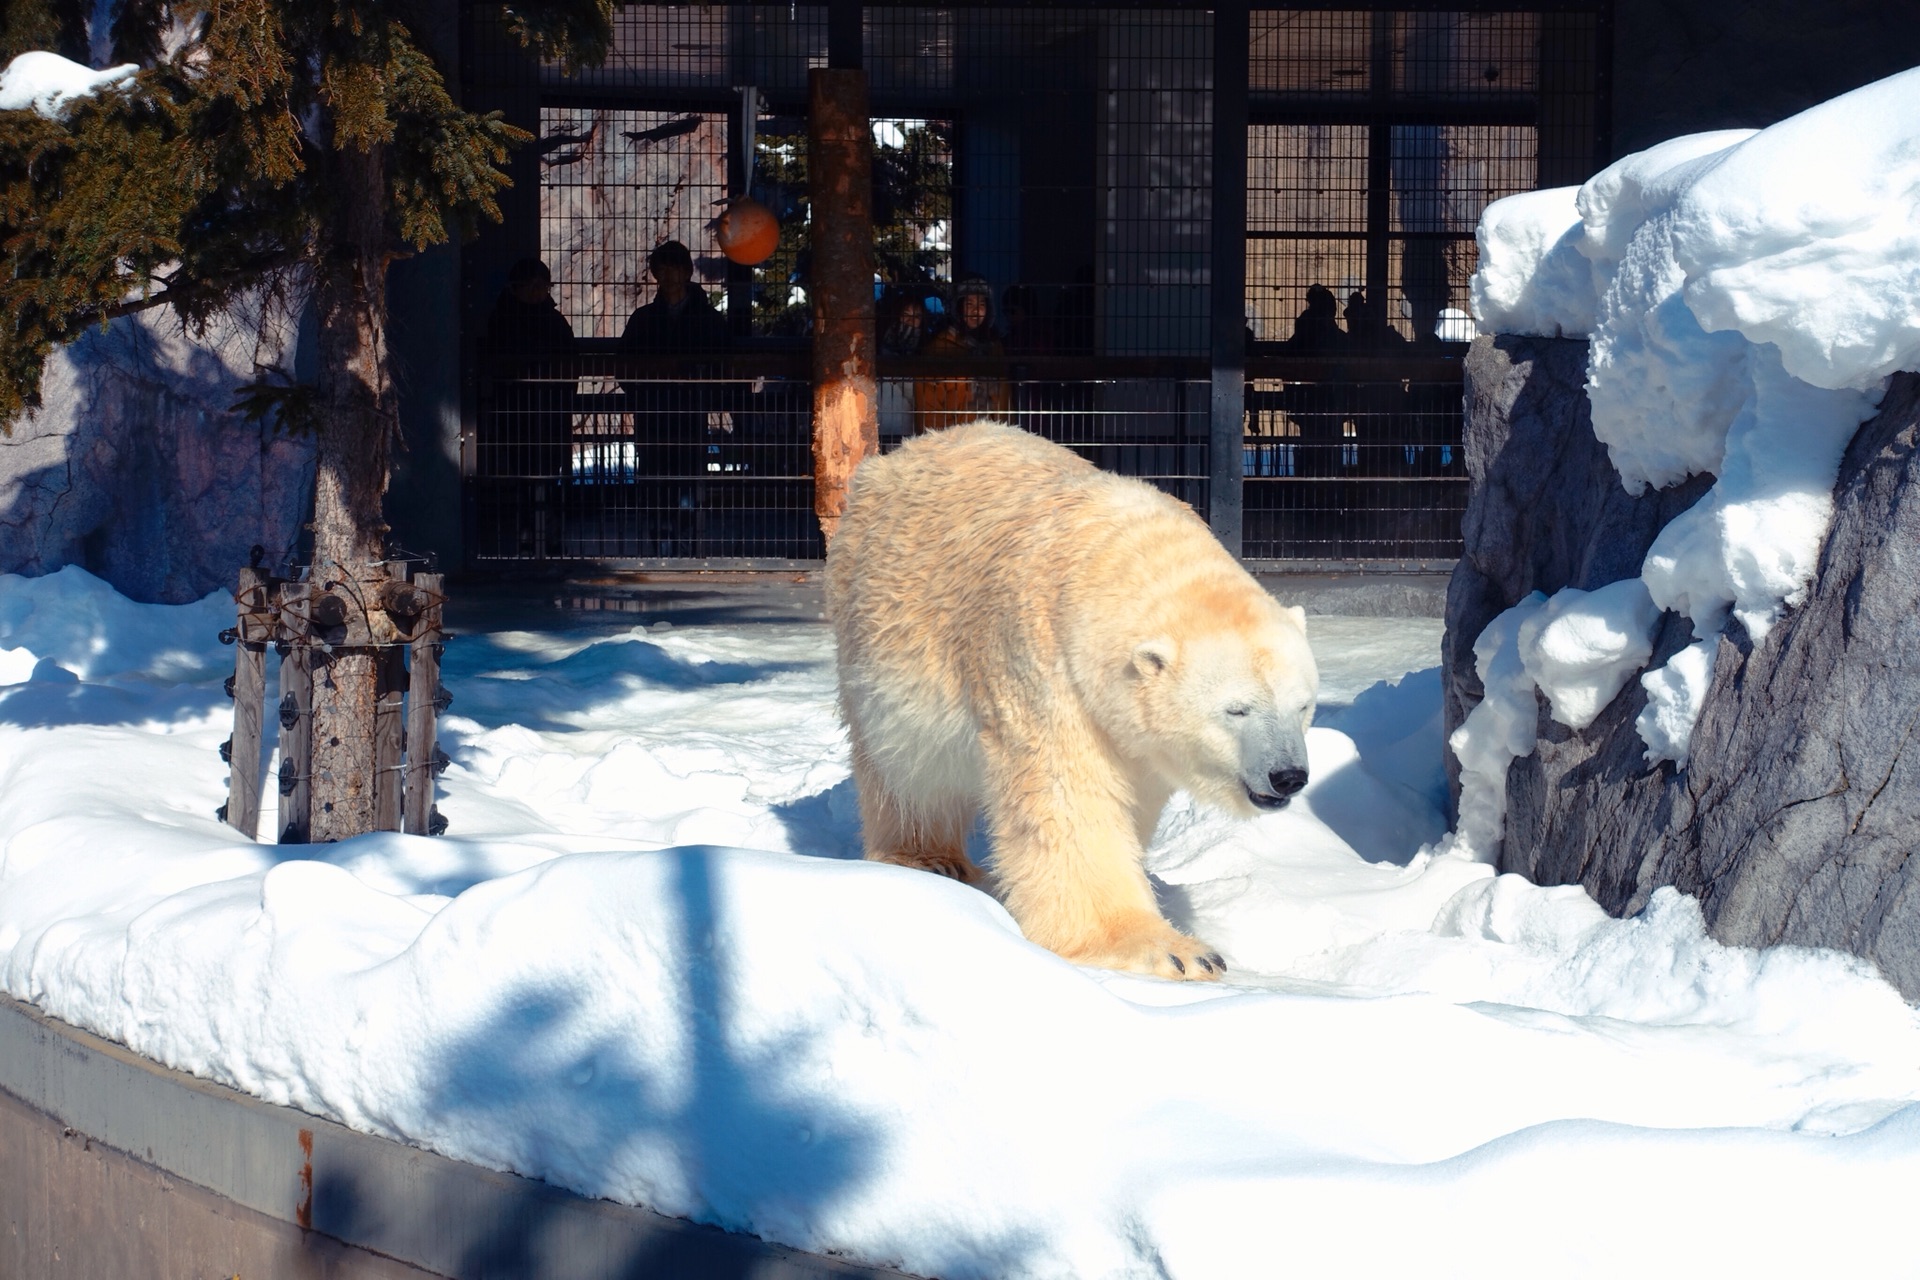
(846,410)
(356,407)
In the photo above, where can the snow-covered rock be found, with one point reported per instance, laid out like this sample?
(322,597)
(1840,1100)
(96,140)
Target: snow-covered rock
(1772,777)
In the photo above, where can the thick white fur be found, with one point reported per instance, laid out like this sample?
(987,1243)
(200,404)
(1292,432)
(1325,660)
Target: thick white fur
(1023,634)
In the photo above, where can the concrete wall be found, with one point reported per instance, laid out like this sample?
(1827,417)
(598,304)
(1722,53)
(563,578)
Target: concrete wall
(113,1166)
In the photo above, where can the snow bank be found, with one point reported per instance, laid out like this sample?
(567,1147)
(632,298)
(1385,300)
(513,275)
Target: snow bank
(49,84)
(582,986)
(1807,237)
(72,620)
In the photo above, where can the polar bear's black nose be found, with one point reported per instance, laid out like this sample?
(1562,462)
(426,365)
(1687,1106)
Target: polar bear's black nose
(1285,782)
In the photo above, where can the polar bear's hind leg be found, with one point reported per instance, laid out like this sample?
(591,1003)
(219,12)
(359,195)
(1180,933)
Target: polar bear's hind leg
(928,833)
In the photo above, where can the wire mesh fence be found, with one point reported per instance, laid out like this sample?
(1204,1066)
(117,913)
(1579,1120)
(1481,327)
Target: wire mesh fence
(606,457)
(1048,168)
(1354,464)
(1376,139)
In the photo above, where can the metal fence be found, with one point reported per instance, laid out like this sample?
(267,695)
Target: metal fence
(608,457)
(1354,463)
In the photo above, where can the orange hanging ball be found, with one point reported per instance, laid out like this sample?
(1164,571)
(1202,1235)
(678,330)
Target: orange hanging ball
(748,232)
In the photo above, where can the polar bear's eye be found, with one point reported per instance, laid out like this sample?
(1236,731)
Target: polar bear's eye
(1239,709)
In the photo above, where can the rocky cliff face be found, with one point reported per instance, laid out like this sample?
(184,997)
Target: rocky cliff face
(1795,816)
(136,469)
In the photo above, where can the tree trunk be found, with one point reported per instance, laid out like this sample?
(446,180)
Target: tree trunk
(357,414)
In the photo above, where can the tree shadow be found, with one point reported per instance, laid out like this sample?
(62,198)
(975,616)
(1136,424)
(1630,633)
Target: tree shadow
(542,696)
(742,1149)
(56,698)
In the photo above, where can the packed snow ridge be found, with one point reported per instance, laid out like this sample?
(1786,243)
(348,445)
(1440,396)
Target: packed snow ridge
(49,84)
(1746,295)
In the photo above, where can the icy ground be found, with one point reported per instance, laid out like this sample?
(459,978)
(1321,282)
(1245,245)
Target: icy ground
(645,965)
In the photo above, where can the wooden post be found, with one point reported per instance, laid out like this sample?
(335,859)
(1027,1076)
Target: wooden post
(846,403)
(249,698)
(389,719)
(423,689)
(296,720)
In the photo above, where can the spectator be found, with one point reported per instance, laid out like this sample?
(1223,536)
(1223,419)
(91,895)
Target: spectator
(674,410)
(947,402)
(527,349)
(1366,327)
(1316,331)
(680,318)
(903,328)
(525,323)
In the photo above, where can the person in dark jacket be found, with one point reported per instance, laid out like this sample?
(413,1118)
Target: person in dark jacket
(680,317)
(528,349)
(673,408)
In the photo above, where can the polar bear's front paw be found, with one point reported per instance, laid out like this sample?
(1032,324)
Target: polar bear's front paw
(1161,951)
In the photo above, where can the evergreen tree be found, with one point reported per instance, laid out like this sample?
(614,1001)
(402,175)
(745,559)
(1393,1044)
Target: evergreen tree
(263,143)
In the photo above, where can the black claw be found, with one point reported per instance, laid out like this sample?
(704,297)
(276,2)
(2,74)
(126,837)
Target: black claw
(1176,962)
(1205,963)
(1218,963)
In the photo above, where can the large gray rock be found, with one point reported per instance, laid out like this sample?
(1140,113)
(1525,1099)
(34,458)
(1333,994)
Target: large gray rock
(136,469)
(1545,509)
(1798,810)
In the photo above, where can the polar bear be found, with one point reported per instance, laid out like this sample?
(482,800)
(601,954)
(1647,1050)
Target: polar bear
(1023,634)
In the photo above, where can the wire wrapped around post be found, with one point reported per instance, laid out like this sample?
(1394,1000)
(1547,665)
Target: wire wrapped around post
(310,623)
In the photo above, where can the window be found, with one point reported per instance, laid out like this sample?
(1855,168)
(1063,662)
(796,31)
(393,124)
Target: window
(1377,140)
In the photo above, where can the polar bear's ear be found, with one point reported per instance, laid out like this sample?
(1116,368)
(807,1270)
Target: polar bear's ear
(1298,615)
(1151,657)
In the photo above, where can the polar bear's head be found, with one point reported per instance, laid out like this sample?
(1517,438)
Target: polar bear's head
(1223,707)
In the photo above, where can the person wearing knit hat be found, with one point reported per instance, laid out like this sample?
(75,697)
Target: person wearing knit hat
(947,402)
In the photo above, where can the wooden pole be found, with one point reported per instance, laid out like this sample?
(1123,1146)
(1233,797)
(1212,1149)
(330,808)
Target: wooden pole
(251,634)
(389,720)
(296,720)
(423,689)
(846,404)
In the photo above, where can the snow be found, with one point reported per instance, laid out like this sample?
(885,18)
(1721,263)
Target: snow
(1676,691)
(1578,648)
(1746,294)
(647,965)
(1532,277)
(1583,647)
(49,84)
(1498,730)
